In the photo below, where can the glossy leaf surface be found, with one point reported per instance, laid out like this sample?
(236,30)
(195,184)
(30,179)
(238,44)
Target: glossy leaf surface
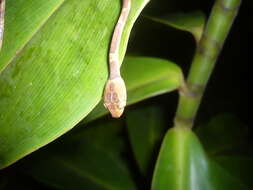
(183,165)
(146,126)
(22,23)
(193,22)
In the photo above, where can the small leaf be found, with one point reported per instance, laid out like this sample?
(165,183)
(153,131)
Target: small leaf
(193,22)
(146,126)
(88,158)
(183,165)
(58,77)
(145,77)
(224,132)
(239,166)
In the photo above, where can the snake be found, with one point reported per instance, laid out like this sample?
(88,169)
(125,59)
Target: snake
(2,10)
(115,89)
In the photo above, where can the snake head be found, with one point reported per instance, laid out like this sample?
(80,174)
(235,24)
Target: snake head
(115,96)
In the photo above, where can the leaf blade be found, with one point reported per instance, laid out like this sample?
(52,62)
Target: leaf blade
(192,22)
(58,79)
(182,164)
(146,126)
(88,158)
(17,14)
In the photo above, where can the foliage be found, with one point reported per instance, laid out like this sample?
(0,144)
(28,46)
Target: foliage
(53,66)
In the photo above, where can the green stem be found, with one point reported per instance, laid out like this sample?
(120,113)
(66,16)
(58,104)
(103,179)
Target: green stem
(209,47)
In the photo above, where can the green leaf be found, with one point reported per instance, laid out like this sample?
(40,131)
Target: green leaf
(145,77)
(193,22)
(223,136)
(22,23)
(89,158)
(224,132)
(146,126)
(239,166)
(59,75)
(183,165)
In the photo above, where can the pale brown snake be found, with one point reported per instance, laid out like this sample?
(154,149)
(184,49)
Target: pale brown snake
(115,89)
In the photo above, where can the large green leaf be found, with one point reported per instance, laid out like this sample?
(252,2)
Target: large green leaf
(192,22)
(88,158)
(58,77)
(145,77)
(183,165)
(146,126)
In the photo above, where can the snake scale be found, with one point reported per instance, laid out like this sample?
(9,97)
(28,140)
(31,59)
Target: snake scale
(115,90)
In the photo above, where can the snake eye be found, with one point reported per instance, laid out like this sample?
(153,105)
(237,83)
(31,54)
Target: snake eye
(115,98)
(108,97)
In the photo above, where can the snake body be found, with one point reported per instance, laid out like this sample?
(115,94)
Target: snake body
(2,10)
(115,89)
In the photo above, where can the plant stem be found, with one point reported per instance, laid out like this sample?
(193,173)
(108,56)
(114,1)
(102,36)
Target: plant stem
(208,49)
